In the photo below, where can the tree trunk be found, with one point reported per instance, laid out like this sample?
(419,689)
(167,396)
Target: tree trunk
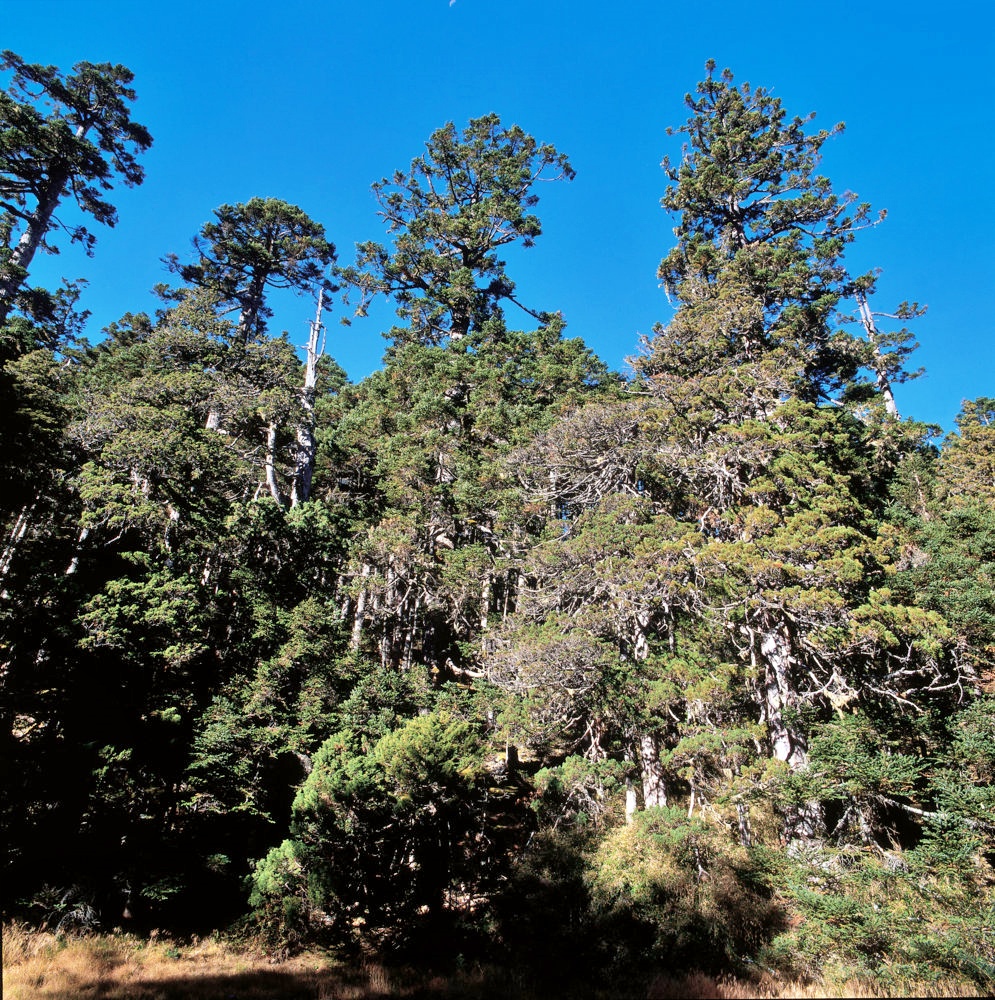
(803,823)
(631,799)
(306,445)
(17,533)
(786,744)
(252,304)
(74,562)
(357,622)
(743,822)
(654,786)
(486,586)
(16,269)
(873,337)
(271,483)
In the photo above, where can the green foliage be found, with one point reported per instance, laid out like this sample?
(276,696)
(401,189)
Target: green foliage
(465,198)
(263,243)
(429,760)
(681,891)
(33,449)
(736,605)
(758,267)
(889,917)
(278,897)
(60,135)
(577,792)
(384,834)
(967,468)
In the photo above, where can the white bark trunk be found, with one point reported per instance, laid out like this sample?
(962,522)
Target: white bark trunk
(74,562)
(803,823)
(14,539)
(306,445)
(271,483)
(485,604)
(786,744)
(873,337)
(357,623)
(631,800)
(654,786)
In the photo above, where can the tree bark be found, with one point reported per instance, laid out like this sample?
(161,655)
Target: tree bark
(357,622)
(14,539)
(74,562)
(631,799)
(249,314)
(31,239)
(271,483)
(306,445)
(883,382)
(654,785)
(803,823)
(786,744)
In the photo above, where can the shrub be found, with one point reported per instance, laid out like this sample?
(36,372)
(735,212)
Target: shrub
(681,890)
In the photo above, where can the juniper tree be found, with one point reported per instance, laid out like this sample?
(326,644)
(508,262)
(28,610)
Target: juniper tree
(250,249)
(768,604)
(761,241)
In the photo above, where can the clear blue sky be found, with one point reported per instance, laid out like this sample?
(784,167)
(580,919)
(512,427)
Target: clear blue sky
(311,102)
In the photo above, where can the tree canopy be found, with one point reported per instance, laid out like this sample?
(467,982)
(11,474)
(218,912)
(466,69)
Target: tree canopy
(494,653)
(60,136)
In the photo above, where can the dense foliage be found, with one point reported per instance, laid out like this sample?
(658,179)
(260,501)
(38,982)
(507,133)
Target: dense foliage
(494,650)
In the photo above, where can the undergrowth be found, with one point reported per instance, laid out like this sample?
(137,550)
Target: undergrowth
(40,965)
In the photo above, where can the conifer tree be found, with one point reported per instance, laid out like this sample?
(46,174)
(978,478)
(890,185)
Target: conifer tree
(768,606)
(262,244)
(252,248)
(759,263)
(467,196)
(60,136)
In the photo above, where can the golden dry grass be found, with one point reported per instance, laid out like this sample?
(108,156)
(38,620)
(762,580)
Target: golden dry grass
(39,966)
(696,986)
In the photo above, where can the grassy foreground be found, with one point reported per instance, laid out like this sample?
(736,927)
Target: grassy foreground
(39,965)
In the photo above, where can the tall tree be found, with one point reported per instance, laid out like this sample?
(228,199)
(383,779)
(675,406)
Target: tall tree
(746,595)
(60,136)
(761,239)
(261,244)
(467,196)
(250,249)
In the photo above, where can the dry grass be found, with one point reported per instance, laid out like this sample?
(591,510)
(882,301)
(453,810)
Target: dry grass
(40,966)
(696,986)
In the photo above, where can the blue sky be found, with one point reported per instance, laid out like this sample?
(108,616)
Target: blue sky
(311,102)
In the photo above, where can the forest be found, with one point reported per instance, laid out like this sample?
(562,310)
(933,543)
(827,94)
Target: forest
(496,655)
